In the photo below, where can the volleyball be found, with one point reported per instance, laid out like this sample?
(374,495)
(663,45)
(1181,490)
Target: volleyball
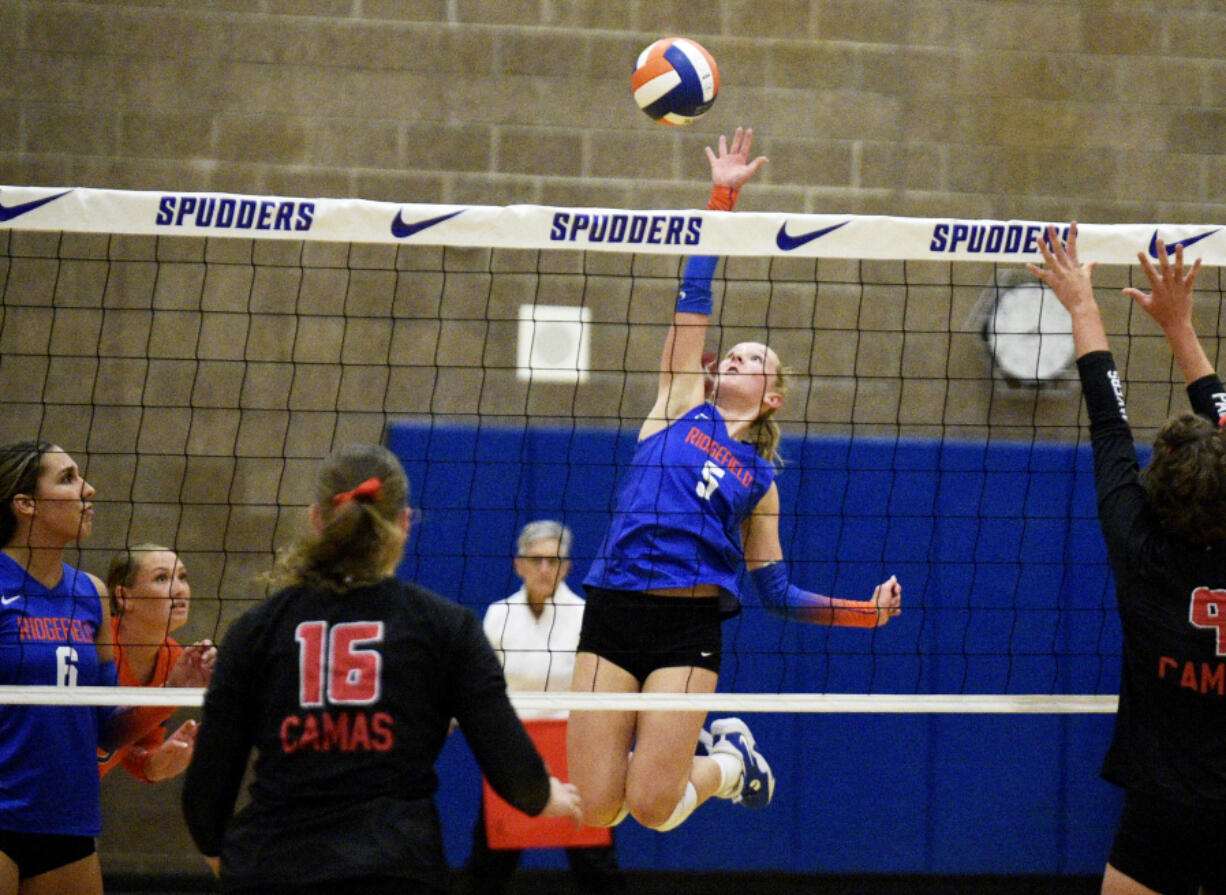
(675,80)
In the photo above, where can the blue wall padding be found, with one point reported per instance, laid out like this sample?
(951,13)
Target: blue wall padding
(1005,591)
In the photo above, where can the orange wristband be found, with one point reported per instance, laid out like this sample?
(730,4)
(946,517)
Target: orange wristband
(722,198)
(854,614)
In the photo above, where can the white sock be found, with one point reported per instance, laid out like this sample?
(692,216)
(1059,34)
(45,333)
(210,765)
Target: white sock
(684,809)
(731,769)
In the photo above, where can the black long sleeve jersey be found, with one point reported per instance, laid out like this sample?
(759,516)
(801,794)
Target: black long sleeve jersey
(348,699)
(1170,730)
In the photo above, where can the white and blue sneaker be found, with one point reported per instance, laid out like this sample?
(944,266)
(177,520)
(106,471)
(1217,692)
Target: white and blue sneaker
(705,742)
(732,736)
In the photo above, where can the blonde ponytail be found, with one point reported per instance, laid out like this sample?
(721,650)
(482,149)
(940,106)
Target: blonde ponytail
(764,432)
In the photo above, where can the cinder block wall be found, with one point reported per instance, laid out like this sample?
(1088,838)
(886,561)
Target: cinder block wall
(1044,110)
(1106,111)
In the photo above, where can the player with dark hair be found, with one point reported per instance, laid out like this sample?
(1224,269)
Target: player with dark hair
(55,631)
(345,681)
(1165,531)
(698,502)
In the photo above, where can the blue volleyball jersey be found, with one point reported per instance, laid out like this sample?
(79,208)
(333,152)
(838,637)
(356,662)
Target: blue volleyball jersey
(48,765)
(678,515)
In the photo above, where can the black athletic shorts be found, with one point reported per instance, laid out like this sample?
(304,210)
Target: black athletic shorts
(644,632)
(36,853)
(1171,848)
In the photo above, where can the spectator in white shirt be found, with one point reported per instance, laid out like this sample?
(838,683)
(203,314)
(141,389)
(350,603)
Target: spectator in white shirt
(535,632)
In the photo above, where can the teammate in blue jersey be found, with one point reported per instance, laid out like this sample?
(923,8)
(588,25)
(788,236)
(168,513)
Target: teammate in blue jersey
(1165,532)
(698,503)
(55,630)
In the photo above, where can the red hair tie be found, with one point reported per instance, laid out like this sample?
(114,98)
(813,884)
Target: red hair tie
(1221,421)
(366,492)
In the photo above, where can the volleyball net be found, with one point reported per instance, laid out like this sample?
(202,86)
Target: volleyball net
(199,354)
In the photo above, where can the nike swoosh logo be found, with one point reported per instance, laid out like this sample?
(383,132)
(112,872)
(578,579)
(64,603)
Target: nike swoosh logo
(1171,246)
(787,242)
(7,600)
(705,654)
(402,230)
(8,212)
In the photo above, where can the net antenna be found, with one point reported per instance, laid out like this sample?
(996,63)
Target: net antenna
(200,352)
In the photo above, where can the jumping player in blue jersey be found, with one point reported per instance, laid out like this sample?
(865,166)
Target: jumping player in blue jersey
(698,502)
(55,631)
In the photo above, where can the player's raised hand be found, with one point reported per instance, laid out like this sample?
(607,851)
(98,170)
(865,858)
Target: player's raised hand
(730,166)
(1062,271)
(1169,301)
(1072,282)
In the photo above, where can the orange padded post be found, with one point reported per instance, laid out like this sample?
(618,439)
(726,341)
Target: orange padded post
(507,828)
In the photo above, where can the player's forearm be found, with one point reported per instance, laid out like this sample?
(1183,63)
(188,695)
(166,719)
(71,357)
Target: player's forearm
(816,609)
(1188,351)
(780,597)
(1089,334)
(127,725)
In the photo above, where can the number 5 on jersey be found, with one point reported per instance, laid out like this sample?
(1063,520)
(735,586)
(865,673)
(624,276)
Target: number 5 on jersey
(339,660)
(712,472)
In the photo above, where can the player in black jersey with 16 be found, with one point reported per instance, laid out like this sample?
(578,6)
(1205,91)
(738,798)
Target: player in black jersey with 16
(346,681)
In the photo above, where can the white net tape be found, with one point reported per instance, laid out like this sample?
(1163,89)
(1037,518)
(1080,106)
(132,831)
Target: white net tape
(667,232)
(805,703)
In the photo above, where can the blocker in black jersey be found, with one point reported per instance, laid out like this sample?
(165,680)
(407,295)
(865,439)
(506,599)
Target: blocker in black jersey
(1170,730)
(1165,533)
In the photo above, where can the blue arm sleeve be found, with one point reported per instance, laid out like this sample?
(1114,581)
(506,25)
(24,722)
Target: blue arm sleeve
(694,296)
(777,593)
(781,597)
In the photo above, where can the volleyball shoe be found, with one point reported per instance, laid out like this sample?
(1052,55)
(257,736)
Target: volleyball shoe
(732,736)
(705,742)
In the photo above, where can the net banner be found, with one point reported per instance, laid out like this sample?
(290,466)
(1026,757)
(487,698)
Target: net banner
(672,232)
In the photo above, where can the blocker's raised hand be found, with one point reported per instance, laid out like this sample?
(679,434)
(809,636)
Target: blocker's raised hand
(1062,271)
(1169,302)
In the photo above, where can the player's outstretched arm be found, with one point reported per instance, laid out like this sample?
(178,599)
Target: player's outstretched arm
(682,378)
